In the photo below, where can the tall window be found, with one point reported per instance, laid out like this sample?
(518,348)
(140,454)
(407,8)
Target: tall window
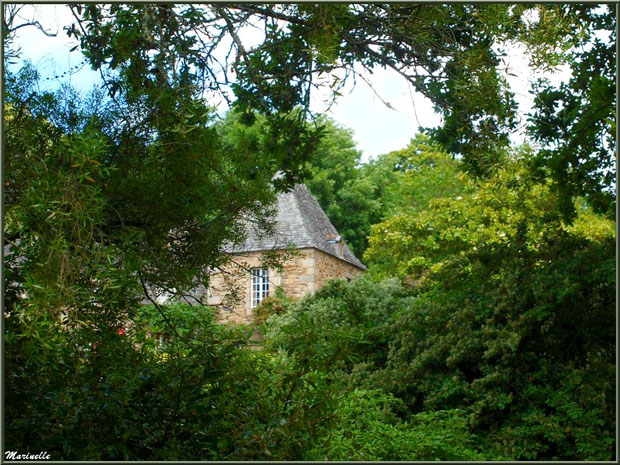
(260,285)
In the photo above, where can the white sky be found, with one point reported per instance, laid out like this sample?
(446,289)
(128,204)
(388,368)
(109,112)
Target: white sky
(377,128)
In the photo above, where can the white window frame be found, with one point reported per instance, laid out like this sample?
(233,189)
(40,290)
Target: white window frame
(160,340)
(259,286)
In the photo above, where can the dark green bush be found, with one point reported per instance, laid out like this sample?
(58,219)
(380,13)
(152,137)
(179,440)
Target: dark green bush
(202,394)
(365,428)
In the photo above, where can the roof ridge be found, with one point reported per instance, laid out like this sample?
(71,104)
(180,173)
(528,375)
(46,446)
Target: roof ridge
(303,217)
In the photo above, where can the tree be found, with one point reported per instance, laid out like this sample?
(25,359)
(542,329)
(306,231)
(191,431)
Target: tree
(454,58)
(447,52)
(334,162)
(513,320)
(576,122)
(419,173)
(356,196)
(336,178)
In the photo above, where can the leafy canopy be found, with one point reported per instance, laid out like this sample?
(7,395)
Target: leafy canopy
(576,121)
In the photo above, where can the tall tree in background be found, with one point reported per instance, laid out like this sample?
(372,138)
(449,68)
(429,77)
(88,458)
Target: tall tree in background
(357,195)
(351,200)
(411,177)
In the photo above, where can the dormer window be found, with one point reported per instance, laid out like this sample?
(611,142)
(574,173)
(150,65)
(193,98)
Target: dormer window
(338,242)
(260,285)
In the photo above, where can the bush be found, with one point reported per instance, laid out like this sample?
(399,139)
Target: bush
(272,305)
(365,428)
(340,325)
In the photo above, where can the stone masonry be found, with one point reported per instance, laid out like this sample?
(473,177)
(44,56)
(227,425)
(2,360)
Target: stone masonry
(301,275)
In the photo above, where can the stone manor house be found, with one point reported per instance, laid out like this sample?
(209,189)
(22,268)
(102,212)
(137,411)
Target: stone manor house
(319,255)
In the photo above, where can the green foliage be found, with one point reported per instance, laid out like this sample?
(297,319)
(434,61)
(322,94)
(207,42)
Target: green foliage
(342,324)
(101,395)
(351,200)
(154,54)
(512,304)
(367,429)
(272,305)
(505,313)
(419,173)
(498,333)
(356,196)
(576,122)
(93,215)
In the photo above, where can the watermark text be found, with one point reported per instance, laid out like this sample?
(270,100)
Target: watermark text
(14,455)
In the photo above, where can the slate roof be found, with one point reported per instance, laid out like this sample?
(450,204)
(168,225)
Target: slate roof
(300,223)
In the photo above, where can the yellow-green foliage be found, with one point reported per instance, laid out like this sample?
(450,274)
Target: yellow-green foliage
(492,211)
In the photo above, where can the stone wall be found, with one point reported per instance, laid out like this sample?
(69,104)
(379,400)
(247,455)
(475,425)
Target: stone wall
(330,267)
(304,273)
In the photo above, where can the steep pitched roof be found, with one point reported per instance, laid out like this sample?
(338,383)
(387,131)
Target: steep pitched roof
(300,223)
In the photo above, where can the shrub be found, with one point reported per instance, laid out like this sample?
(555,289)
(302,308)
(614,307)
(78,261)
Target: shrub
(365,428)
(272,305)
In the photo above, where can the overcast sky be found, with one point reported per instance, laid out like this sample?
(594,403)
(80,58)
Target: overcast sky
(377,128)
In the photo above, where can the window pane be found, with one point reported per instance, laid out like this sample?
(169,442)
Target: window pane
(260,285)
